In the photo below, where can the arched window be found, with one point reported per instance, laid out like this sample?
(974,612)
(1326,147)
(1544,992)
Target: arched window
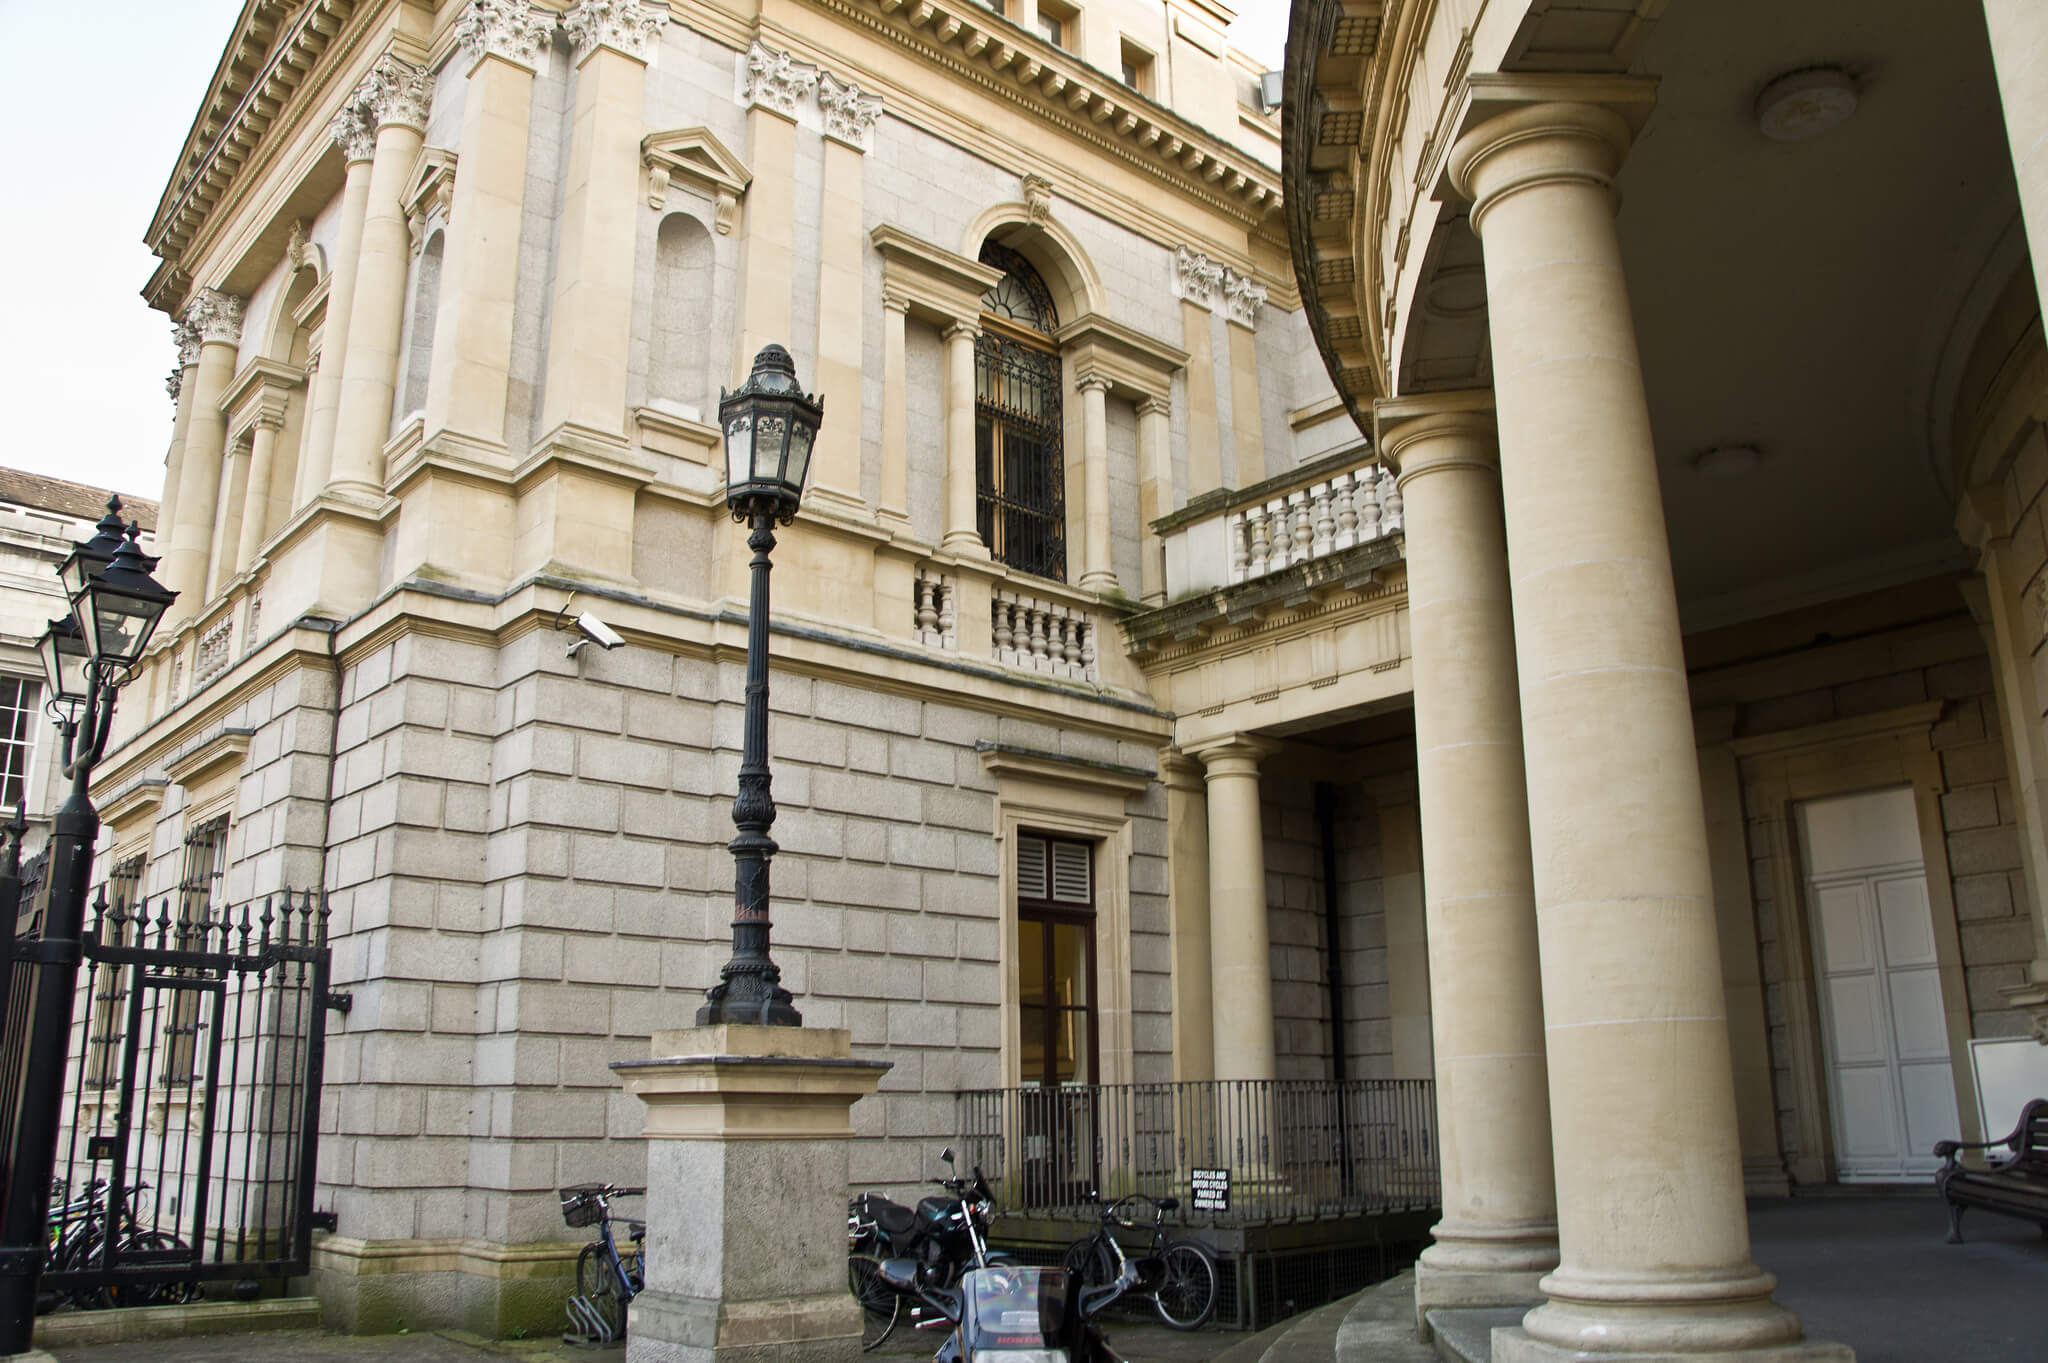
(1019,472)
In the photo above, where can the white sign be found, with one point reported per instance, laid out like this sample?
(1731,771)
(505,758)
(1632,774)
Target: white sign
(1211,1189)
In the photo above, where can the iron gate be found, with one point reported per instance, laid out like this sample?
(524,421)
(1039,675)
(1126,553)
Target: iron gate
(188,1151)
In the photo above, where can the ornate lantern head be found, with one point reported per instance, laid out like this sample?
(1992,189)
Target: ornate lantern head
(770,424)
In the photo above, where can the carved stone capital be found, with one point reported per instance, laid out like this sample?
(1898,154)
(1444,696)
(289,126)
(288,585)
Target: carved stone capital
(396,91)
(775,80)
(850,115)
(628,27)
(511,30)
(175,383)
(216,317)
(353,131)
(1243,298)
(186,337)
(1196,278)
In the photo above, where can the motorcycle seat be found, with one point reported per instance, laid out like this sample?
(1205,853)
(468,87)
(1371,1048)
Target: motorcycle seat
(892,1217)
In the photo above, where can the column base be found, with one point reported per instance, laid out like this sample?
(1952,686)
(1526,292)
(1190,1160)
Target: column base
(667,1327)
(1436,1288)
(964,544)
(1100,582)
(1513,1344)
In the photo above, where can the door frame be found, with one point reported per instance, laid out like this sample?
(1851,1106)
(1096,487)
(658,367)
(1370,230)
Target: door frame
(1848,757)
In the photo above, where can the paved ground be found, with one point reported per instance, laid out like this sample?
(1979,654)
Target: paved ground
(1874,1273)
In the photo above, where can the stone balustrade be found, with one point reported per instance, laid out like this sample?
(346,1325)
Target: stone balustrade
(1044,636)
(1324,508)
(934,614)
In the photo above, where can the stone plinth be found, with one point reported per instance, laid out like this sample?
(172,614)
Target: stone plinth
(746,1195)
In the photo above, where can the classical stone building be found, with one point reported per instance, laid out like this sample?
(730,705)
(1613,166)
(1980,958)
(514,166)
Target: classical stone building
(1706,342)
(40,519)
(456,289)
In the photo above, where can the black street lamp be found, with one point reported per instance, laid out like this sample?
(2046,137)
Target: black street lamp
(770,425)
(87,657)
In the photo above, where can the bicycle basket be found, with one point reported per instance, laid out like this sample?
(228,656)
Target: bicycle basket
(583,1206)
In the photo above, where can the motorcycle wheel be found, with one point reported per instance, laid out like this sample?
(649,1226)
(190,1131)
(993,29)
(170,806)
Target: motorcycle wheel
(879,1303)
(1187,1295)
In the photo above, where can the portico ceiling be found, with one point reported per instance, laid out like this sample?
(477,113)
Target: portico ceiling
(1804,297)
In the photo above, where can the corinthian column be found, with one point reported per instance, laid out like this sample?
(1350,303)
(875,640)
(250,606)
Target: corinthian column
(1499,1226)
(469,369)
(590,322)
(216,319)
(1653,1234)
(353,132)
(394,98)
(182,384)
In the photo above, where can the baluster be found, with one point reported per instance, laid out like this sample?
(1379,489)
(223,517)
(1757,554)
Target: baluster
(1365,497)
(1346,535)
(1324,515)
(1262,544)
(1071,636)
(1037,617)
(1280,531)
(1088,650)
(1390,504)
(1239,537)
(1000,623)
(948,635)
(926,615)
(1304,533)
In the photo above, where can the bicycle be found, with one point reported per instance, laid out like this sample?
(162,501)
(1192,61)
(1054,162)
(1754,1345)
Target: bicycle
(1186,1294)
(607,1278)
(78,1237)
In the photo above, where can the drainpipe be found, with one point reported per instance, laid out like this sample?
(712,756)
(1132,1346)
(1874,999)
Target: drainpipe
(1340,1061)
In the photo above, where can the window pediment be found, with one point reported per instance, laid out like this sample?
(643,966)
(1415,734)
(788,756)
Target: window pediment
(699,160)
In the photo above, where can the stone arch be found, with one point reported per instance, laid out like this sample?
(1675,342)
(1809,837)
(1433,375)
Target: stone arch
(286,341)
(1052,250)
(426,308)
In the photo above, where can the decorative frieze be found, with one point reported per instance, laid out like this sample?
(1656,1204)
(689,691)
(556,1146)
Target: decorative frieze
(1201,281)
(628,27)
(850,114)
(213,650)
(214,316)
(397,92)
(776,81)
(507,29)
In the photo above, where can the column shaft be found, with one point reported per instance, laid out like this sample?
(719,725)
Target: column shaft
(1187,869)
(469,370)
(962,536)
(1499,1227)
(894,510)
(323,401)
(1248,432)
(1205,455)
(590,324)
(1241,969)
(256,496)
(189,539)
(1155,495)
(362,420)
(227,525)
(181,428)
(1097,572)
(842,251)
(1652,1227)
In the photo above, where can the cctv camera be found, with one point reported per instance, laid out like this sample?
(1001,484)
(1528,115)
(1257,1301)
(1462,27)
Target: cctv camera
(597,631)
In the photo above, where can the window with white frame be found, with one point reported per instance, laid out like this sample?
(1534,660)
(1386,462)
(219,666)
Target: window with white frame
(20,700)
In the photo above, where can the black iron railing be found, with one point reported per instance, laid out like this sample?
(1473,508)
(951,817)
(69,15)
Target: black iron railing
(1287,1150)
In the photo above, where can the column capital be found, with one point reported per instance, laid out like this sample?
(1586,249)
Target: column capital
(353,132)
(1430,431)
(1092,381)
(850,112)
(1180,770)
(215,317)
(961,329)
(1523,131)
(776,81)
(895,300)
(1232,755)
(1980,519)
(395,92)
(1155,406)
(628,27)
(510,30)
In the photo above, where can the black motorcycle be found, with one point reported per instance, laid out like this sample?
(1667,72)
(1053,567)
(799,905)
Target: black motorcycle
(1008,1313)
(943,1237)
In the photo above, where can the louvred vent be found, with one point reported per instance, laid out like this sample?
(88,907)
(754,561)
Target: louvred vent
(1070,873)
(1031,868)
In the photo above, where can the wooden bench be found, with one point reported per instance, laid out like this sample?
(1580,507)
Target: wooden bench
(2014,1187)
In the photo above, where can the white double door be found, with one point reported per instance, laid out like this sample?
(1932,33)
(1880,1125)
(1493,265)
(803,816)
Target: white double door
(1885,1032)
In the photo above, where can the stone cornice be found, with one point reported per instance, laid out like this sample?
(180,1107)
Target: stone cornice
(1000,56)
(942,286)
(1173,631)
(208,755)
(257,77)
(259,391)
(1001,759)
(1135,364)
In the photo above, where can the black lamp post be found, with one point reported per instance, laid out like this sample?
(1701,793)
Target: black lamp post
(115,606)
(769,424)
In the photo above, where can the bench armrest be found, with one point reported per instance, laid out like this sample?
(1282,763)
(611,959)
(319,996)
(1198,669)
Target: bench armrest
(1948,1150)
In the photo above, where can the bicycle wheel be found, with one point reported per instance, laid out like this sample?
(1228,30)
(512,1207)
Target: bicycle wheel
(597,1284)
(137,1245)
(1089,1263)
(1187,1295)
(879,1303)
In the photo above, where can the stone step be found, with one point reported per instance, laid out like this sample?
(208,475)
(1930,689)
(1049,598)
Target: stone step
(1466,1335)
(1379,1326)
(76,1329)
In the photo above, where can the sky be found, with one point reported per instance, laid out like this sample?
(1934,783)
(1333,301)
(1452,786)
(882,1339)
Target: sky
(83,361)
